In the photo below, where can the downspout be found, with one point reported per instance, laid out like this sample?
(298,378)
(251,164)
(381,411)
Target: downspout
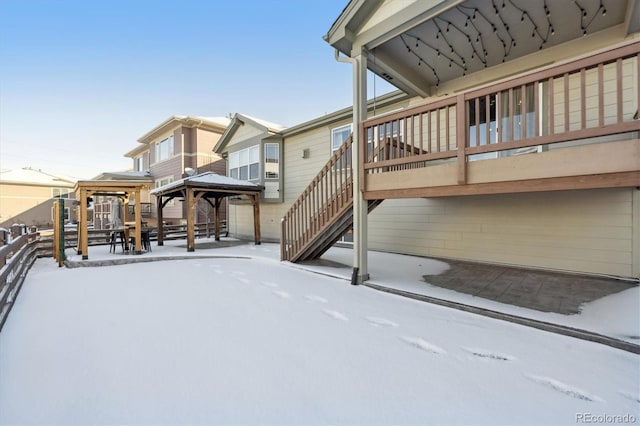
(360,271)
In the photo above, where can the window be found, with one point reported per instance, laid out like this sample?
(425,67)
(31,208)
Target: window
(138,164)
(66,214)
(271,160)
(245,164)
(338,136)
(496,110)
(164,149)
(59,192)
(163,182)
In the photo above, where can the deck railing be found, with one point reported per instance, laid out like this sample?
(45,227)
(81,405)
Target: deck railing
(327,196)
(590,97)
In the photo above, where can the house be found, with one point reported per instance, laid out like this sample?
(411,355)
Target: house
(26,197)
(283,160)
(178,147)
(514,140)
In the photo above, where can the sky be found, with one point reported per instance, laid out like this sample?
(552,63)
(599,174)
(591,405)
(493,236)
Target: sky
(247,339)
(81,81)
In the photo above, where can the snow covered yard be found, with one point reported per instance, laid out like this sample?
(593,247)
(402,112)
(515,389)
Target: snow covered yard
(254,341)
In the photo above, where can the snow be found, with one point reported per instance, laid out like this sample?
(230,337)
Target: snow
(27,175)
(207,178)
(246,339)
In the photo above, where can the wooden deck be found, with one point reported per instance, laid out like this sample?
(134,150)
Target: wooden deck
(571,126)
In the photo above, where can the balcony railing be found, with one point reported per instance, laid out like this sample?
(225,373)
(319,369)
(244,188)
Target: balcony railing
(591,97)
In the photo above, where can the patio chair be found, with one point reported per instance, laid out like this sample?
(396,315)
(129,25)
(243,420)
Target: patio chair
(146,241)
(113,241)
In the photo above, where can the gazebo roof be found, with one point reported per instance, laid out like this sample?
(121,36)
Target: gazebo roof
(210,182)
(207,186)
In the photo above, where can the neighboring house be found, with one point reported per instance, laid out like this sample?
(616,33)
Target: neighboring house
(516,139)
(253,149)
(171,151)
(107,211)
(26,197)
(283,160)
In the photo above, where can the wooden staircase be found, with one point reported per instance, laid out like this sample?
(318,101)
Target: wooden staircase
(323,213)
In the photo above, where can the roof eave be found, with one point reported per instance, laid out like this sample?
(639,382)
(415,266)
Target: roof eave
(178,120)
(236,122)
(345,113)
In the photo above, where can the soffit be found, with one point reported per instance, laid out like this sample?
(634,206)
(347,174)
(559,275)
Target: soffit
(426,45)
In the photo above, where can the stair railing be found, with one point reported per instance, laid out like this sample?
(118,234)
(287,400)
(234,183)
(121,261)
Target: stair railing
(321,202)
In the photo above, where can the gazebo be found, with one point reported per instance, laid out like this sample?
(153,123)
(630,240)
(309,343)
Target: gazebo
(211,187)
(124,189)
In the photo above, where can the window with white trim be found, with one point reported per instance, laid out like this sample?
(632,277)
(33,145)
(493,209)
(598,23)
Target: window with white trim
(271,160)
(138,164)
(60,192)
(66,214)
(163,182)
(245,164)
(339,135)
(164,149)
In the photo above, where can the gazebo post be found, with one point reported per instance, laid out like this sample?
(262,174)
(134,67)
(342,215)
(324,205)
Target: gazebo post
(79,227)
(216,217)
(82,225)
(160,221)
(190,199)
(138,218)
(255,200)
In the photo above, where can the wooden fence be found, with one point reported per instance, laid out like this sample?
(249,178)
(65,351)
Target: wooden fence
(17,257)
(15,260)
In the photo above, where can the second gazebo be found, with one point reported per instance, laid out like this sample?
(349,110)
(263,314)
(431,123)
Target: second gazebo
(212,188)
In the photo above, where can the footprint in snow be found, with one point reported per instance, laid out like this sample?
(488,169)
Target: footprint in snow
(381,322)
(424,345)
(243,280)
(238,273)
(489,355)
(564,388)
(630,396)
(314,298)
(218,271)
(335,315)
(269,284)
(282,294)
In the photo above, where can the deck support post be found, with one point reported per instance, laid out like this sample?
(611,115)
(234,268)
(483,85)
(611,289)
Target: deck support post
(360,207)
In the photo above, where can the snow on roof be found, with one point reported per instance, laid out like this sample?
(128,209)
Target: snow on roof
(222,121)
(37,177)
(207,178)
(265,123)
(142,175)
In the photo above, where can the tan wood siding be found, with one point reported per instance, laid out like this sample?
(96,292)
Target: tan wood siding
(585,231)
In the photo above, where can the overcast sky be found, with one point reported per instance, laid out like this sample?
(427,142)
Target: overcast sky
(81,81)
